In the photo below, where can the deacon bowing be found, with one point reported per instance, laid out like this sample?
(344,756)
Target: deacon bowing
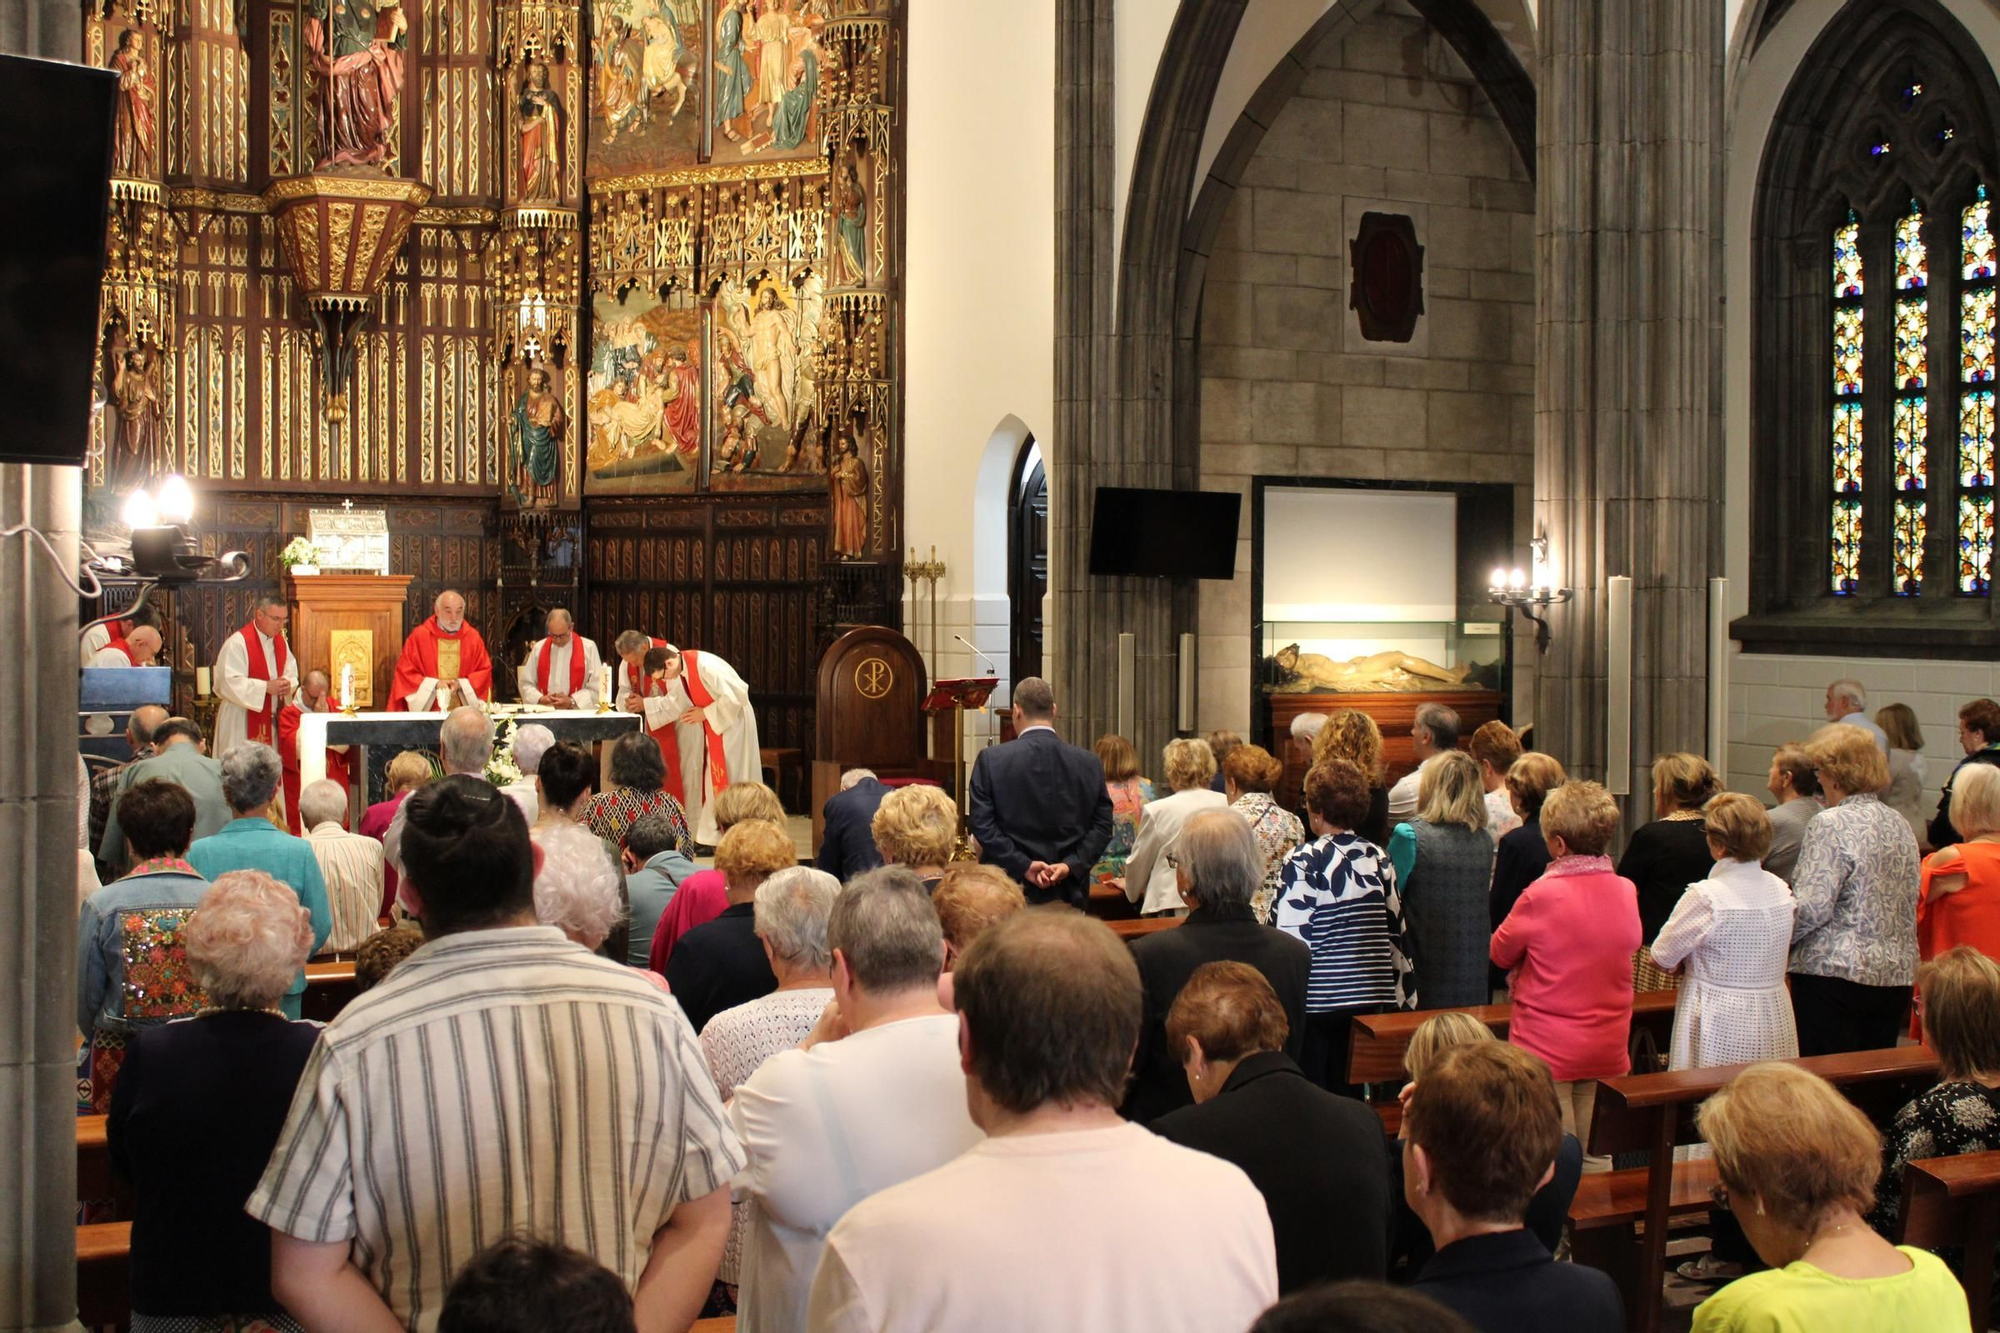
(316,696)
(561,670)
(707,703)
(633,682)
(255,675)
(139,648)
(443,664)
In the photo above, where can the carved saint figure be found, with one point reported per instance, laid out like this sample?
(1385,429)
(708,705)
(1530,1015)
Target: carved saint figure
(793,113)
(539,425)
(850,498)
(732,72)
(774,356)
(851,224)
(132,131)
(136,389)
(681,380)
(621,78)
(770,31)
(664,57)
(1377,671)
(541,132)
(357,49)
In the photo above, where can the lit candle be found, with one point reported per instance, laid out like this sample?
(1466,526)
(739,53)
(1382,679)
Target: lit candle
(347,684)
(201,681)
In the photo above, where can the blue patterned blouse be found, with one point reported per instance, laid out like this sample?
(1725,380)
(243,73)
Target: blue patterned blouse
(1338,895)
(1856,889)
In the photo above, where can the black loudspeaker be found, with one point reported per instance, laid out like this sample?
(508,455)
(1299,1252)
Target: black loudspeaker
(55,194)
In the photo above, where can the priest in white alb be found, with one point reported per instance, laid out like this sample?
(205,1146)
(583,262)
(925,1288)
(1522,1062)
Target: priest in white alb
(562,671)
(707,704)
(139,648)
(255,675)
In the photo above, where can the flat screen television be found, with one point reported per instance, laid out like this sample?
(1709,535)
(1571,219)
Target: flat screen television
(1164,534)
(54,195)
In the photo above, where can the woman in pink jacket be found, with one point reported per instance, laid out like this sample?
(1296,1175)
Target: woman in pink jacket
(1568,947)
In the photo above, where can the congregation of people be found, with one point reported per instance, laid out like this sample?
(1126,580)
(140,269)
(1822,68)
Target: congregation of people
(591,1083)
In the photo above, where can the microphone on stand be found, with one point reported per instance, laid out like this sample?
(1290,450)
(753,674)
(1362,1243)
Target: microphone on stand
(989,661)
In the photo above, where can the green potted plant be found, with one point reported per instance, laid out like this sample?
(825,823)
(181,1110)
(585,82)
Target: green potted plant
(300,556)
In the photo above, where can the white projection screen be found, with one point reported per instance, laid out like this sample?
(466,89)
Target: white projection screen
(1349,572)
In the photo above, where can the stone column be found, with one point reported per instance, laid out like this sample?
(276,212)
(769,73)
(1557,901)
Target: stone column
(1628,457)
(38,827)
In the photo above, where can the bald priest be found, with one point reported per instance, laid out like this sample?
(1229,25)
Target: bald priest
(444,663)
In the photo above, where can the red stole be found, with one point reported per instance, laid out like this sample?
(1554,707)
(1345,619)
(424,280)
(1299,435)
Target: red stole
(124,648)
(698,694)
(575,665)
(259,669)
(288,761)
(639,683)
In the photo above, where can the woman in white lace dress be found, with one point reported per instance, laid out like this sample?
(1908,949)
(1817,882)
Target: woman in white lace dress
(1728,937)
(792,909)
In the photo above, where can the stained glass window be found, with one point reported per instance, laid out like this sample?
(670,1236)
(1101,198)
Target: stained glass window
(1912,264)
(1910,526)
(1976,399)
(1850,352)
(1847,259)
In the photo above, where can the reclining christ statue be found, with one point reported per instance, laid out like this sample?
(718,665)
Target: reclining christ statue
(1392,670)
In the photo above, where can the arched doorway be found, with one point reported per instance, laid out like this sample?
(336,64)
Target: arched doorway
(1027,561)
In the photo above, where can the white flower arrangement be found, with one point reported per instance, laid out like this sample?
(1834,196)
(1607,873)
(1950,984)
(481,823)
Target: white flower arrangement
(299,551)
(500,766)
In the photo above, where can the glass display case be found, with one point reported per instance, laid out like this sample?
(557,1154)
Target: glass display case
(1386,656)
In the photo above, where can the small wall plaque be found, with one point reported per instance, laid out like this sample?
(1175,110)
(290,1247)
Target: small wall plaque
(350,541)
(1387,290)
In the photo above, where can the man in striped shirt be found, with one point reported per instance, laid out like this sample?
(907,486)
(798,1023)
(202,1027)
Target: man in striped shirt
(350,864)
(501,1079)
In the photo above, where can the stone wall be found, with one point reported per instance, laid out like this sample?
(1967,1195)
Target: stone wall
(1387,120)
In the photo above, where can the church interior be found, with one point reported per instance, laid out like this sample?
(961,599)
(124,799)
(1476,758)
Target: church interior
(790,380)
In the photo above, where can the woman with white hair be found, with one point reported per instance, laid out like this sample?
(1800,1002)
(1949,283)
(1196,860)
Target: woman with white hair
(578,888)
(792,908)
(1149,873)
(197,1111)
(252,840)
(530,743)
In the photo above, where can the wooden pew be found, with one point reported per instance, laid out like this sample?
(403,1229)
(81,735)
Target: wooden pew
(329,986)
(720,1324)
(1375,1052)
(1949,1201)
(1135,927)
(1654,1113)
(103,1289)
(94,1178)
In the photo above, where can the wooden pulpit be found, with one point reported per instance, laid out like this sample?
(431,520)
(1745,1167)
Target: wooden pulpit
(871,683)
(349,618)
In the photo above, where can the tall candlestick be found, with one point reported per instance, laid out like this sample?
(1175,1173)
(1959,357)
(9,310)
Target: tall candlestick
(347,684)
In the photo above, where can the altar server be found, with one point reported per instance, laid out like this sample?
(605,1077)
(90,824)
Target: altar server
(562,670)
(139,648)
(708,705)
(443,664)
(315,697)
(255,676)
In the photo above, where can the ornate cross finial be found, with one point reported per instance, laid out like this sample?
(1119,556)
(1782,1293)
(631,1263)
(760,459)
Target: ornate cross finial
(348,505)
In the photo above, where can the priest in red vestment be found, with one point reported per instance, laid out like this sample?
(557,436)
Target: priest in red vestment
(444,663)
(316,696)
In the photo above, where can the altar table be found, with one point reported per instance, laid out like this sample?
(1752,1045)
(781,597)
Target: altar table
(419,731)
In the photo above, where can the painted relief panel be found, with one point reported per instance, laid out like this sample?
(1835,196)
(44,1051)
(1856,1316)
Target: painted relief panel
(768,64)
(646,76)
(644,396)
(764,396)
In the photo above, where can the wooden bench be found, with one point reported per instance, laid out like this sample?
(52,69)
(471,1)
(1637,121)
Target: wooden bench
(1109,902)
(1654,1113)
(103,1288)
(93,1159)
(329,986)
(786,767)
(1375,1050)
(1133,928)
(1951,1201)
(720,1324)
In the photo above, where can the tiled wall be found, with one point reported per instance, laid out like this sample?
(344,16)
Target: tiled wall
(1777,699)
(1386,120)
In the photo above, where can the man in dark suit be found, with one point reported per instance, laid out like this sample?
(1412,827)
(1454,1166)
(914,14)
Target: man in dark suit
(1038,806)
(846,844)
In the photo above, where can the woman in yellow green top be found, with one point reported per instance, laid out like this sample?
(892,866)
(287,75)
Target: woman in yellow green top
(1798,1163)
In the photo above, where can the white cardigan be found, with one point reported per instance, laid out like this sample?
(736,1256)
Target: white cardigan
(1146,870)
